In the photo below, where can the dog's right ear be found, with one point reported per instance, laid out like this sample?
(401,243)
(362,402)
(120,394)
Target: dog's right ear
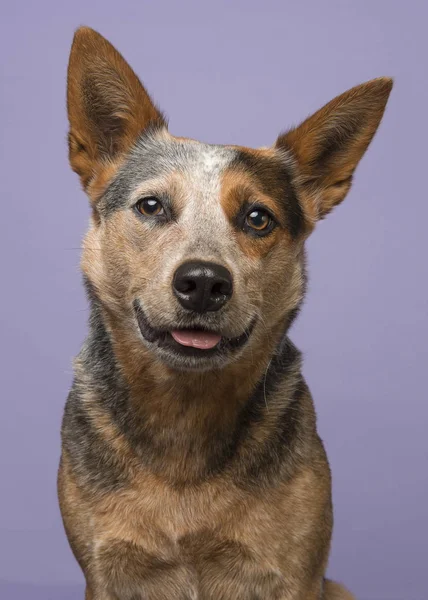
(329,145)
(108,108)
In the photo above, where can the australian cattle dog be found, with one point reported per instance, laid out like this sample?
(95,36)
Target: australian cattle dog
(191,466)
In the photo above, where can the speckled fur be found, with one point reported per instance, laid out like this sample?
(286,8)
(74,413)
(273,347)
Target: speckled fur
(184,478)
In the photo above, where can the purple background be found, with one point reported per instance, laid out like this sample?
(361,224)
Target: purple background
(235,72)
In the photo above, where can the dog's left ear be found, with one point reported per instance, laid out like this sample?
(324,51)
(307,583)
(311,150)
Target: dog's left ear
(329,145)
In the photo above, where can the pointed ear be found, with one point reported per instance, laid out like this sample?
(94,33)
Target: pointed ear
(329,145)
(108,108)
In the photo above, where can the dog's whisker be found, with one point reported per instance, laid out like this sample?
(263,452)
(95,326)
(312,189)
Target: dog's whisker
(264,383)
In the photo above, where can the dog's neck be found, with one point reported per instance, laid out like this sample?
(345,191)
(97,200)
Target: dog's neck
(186,425)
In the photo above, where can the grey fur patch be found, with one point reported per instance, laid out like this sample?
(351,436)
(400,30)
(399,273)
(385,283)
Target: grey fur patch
(156,155)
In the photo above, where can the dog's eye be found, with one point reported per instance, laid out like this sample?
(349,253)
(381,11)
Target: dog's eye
(258,219)
(150,207)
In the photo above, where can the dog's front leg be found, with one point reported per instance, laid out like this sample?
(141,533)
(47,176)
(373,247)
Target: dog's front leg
(125,571)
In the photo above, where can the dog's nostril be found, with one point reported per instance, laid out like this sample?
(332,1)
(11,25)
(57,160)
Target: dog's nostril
(219,289)
(185,286)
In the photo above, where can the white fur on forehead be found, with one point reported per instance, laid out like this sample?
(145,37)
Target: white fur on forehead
(157,154)
(177,154)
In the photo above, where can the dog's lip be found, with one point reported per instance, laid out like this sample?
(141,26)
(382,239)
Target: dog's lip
(167,337)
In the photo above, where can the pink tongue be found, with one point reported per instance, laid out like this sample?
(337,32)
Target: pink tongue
(204,340)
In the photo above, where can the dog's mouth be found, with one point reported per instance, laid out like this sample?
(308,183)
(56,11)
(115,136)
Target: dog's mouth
(196,338)
(191,342)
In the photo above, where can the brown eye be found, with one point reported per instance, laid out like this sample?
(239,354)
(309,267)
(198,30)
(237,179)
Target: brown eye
(258,220)
(150,207)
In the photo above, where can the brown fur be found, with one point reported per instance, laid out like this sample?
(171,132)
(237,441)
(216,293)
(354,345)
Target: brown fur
(99,78)
(329,144)
(236,188)
(213,485)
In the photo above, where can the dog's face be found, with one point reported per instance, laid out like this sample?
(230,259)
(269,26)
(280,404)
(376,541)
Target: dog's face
(196,250)
(201,244)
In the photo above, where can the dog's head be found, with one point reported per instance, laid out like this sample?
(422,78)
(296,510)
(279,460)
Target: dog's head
(197,249)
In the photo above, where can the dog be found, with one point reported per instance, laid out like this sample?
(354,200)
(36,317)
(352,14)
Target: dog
(191,467)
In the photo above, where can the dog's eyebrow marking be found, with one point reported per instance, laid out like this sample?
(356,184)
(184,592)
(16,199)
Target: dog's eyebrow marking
(157,185)
(275,178)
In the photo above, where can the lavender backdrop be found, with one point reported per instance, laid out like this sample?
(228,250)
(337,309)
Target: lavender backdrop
(229,72)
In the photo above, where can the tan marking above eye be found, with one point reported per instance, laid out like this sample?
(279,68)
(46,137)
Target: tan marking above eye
(237,188)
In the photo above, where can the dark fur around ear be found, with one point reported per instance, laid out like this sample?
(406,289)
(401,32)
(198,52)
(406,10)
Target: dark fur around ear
(107,106)
(329,145)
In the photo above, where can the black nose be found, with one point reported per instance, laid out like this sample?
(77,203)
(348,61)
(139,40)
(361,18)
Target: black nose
(202,286)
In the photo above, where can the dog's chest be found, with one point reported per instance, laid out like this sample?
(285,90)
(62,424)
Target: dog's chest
(203,544)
